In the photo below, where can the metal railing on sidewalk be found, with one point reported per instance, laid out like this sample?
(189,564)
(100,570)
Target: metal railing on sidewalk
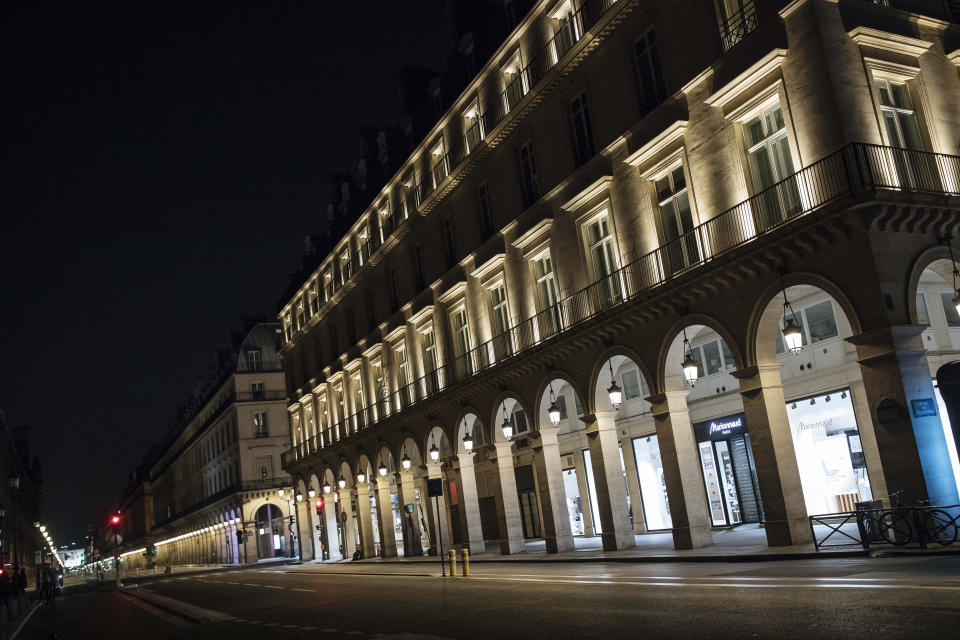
(898,527)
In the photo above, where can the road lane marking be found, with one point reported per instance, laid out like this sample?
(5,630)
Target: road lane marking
(272,586)
(743,578)
(299,589)
(169,618)
(752,585)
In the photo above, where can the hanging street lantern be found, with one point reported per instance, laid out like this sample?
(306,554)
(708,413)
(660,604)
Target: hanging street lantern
(405,461)
(793,336)
(614,390)
(326,487)
(299,497)
(341,482)
(312,493)
(689,365)
(434,452)
(553,411)
(468,442)
(361,477)
(792,333)
(382,470)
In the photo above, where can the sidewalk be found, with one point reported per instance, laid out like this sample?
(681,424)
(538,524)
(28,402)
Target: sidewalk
(747,543)
(16,610)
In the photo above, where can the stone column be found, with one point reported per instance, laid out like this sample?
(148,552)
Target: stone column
(388,534)
(785,513)
(347,525)
(366,521)
(580,469)
(616,532)
(434,471)
(420,483)
(305,516)
(633,485)
(508,504)
(553,498)
(470,504)
(899,388)
(406,494)
(681,470)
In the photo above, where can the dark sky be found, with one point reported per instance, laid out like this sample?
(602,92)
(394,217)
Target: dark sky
(161,163)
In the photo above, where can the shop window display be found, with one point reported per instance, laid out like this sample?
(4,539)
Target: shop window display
(833,471)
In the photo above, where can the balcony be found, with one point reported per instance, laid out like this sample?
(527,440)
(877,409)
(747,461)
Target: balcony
(259,396)
(856,168)
(259,367)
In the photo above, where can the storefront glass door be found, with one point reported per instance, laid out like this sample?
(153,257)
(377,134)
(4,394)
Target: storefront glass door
(574,506)
(653,486)
(729,475)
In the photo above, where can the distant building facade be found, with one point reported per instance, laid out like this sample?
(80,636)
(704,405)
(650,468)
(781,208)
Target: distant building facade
(624,284)
(219,472)
(20,497)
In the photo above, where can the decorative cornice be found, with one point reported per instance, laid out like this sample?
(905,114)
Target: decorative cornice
(743,82)
(655,147)
(895,43)
(584,198)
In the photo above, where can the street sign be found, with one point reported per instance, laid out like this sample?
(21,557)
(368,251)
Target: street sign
(434,487)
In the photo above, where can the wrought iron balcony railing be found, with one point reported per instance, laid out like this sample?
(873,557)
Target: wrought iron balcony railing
(853,169)
(739,24)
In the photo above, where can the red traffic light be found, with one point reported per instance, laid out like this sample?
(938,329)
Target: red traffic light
(319,504)
(115,519)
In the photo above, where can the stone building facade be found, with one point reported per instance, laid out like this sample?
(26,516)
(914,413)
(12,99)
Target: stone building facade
(219,474)
(575,303)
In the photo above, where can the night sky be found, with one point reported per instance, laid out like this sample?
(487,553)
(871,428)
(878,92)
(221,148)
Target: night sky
(162,162)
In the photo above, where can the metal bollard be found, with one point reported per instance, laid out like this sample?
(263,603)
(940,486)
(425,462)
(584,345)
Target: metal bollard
(466,563)
(453,562)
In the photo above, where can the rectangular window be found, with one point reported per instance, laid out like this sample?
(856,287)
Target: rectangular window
(631,384)
(439,160)
(403,375)
(583,145)
(461,331)
(431,361)
(737,18)
(771,167)
(950,310)
(503,342)
(260,429)
(923,317)
(418,267)
(528,171)
(898,114)
(821,323)
(371,310)
(548,316)
(254,361)
(768,148)
(334,346)
(449,242)
(546,287)
(650,85)
(603,259)
(472,124)
(351,326)
(519,421)
(256,391)
(486,213)
(394,295)
(711,358)
(676,217)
